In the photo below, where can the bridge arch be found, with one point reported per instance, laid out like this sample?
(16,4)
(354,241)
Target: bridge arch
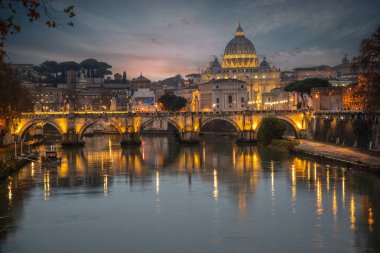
(150,121)
(230,121)
(93,122)
(283,118)
(28,125)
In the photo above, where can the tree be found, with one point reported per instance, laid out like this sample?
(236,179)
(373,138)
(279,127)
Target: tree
(304,87)
(13,13)
(124,77)
(96,69)
(14,99)
(172,102)
(367,66)
(271,128)
(117,77)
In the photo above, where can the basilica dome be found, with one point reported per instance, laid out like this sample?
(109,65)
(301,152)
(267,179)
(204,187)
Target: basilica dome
(240,52)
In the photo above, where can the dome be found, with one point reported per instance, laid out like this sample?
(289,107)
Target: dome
(240,52)
(214,67)
(240,44)
(264,63)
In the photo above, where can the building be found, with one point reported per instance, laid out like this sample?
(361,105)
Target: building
(241,62)
(144,100)
(344,74)
(278,99)
(140,82)
(353,98)
(223,95)
(323,72)
(327,98)
(47,98)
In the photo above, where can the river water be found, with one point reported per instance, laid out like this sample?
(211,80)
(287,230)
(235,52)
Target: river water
(163,197)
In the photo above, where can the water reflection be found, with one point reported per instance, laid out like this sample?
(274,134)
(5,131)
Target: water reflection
(267,191)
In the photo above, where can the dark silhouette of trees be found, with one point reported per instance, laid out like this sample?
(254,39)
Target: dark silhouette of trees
(172,102)
(14,99)
(367,66)
(54,72)
(271,128)
(13,13)
(124,77)
(95,69)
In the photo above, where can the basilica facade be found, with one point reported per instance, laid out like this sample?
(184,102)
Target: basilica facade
(241,62)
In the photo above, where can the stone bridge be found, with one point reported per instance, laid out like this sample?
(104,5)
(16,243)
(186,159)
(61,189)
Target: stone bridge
(72,125)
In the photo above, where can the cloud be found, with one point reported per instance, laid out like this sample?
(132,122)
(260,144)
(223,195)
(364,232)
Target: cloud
(185,21)
(175,36)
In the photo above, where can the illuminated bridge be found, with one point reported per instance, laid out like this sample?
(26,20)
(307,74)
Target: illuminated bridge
(72,125)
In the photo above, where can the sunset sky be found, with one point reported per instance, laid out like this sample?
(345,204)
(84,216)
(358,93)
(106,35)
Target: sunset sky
(163,38)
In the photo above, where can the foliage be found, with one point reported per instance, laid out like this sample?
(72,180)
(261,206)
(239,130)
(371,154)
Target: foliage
(362,130)
(54,72)
(13,12)
(169,102)
(14,98)
(124,77)
(304,87)
(271,128)
(367,65)
(284,144)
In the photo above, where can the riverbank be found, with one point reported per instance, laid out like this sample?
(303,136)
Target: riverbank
(348,156)
(10,167)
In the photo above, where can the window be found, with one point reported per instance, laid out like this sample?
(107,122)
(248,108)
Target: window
(242,100)
(217,100)
(229,99)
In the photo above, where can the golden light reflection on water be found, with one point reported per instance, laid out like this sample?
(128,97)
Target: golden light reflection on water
(105,185)
(319,198)
(370,219)
(294,184)
(216,190)
(334,205)
(10,194)
(157,182)
(46,185)
(328,178)
(32,169)
(272,178)
(242,171)
(352,212)
(343,187)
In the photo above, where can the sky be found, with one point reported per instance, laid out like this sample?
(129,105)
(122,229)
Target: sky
(162,38)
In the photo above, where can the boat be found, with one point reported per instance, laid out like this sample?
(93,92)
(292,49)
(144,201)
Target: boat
(50,158)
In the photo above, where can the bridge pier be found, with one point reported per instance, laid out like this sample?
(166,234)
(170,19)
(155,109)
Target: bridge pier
(71,138)
(189,137)
(130,139)
(247,136)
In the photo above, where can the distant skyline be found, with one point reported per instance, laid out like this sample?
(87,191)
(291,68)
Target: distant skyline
(161,38)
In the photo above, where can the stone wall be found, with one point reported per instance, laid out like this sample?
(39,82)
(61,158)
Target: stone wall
(351,129)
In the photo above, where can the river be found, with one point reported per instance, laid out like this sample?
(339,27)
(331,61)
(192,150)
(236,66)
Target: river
(164,197)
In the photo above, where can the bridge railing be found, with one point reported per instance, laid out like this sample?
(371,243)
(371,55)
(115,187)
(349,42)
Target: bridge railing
(158,113)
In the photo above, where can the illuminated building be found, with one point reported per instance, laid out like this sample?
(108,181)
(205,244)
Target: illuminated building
(241,62)
(223,95)
(353,98)
(143,100)
(327,98)
(278,99)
